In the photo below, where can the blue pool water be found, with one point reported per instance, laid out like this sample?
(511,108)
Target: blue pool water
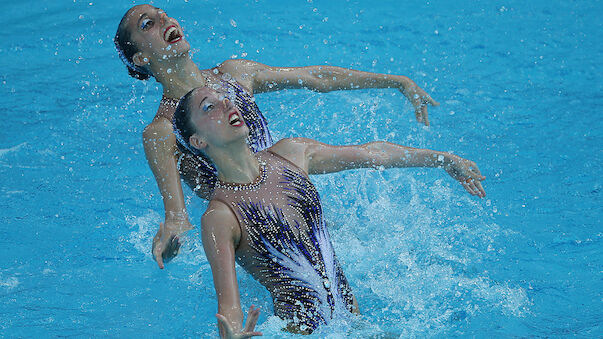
(520,86)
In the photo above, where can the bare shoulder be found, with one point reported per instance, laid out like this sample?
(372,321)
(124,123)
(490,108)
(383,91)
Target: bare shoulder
(243,71)
(294,150)
(219,221)
(160,127)
(240,66)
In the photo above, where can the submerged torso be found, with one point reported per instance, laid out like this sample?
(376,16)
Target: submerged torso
(285,245)
(198,172)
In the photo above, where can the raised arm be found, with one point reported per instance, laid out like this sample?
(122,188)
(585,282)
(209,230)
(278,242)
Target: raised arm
(263,78)
(220,233)
(317,158)
(159,147)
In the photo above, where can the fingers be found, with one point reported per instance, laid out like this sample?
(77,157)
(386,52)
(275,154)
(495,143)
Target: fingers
(474,187)
(228,329)
(424,115)
(222,320)
(225,325)
(172,249)
(159,258)
(433,102)
(252,318)
(466,187)
(177,245)
(419,114)
(476,172)
(480,188)
(421,108)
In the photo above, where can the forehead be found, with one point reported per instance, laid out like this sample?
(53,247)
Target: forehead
(136,12)
(200,93)
(203,92)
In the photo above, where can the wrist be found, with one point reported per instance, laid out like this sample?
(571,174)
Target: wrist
(403,82)
(177,221)
(177,227)
(176,216)
(443,160)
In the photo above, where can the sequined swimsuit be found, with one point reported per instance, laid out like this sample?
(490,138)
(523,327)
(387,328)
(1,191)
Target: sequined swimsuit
(285,245)
(198,172)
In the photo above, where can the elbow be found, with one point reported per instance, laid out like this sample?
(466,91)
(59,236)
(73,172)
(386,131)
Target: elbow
(317,84)
(377,154)
(319,81)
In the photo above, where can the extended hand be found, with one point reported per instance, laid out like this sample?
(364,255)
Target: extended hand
(467,173)
(252,319)
(166,242)
(419,99)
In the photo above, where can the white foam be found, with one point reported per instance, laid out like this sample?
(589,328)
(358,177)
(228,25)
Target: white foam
(9,283)
(145,227)
(4,151)
(417,245)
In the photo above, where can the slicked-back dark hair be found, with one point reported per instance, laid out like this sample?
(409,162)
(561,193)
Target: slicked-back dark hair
(184,129)
(183,126)
(126,49)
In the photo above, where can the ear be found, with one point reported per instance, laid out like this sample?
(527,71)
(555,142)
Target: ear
(197,142)
(140,59)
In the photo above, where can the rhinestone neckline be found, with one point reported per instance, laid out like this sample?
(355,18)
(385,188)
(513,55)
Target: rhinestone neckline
(249,186)
(170,101)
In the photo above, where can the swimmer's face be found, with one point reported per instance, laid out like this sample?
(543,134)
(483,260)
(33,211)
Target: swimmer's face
(157,36)
(216,119)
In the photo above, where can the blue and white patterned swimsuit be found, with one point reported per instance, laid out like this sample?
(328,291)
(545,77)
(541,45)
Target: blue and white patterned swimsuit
(285,244)
(198,172)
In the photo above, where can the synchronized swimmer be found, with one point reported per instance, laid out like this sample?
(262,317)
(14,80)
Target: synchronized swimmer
(266,215)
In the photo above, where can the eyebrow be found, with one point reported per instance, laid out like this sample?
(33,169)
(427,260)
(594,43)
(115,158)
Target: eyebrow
(140,18)
(202,101)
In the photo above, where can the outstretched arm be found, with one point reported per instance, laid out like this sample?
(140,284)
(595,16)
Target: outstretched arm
(220,233)
(317,158)
(263,78)
(160,147)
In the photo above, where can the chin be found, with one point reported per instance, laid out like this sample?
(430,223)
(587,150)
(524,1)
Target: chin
(181,48)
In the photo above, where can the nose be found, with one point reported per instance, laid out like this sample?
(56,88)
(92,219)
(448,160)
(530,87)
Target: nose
(162,16)
(227,102)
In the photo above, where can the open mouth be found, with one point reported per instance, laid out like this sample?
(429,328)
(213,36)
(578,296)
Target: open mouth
(234,119)
(172,35)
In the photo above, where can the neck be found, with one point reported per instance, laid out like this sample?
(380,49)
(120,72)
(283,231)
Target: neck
(183,75)
(236,163)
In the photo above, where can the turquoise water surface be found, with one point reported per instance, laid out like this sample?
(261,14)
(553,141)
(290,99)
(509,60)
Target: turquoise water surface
(520,88)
